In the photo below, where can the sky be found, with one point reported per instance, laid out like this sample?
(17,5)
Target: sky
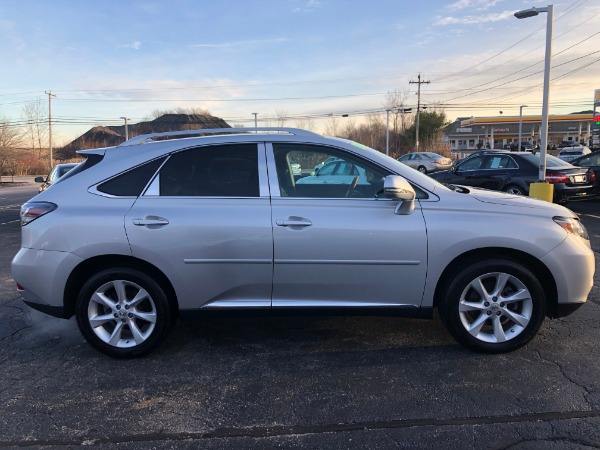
(316,59)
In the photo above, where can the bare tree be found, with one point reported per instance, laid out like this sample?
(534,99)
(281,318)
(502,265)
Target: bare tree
(36,129)
(306,124)
(282,116)
(10,139)
(395,101)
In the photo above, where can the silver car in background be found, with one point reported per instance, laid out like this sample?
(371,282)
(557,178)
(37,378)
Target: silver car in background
(426,162)
(163,226)
(568,154)
(59,171)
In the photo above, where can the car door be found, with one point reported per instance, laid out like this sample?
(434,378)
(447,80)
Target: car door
(341,245)
(469,172)
(496,171)
(205,221)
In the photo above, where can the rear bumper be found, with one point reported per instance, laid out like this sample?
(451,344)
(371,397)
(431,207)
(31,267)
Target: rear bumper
(43,275)
(56,311)
(564,193)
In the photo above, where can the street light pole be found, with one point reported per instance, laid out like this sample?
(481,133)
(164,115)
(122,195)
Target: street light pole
(255,120)
(50,95)
(545,104)
(521,124)
(126,130)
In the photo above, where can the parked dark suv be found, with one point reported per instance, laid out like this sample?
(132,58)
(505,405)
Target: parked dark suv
(513,172)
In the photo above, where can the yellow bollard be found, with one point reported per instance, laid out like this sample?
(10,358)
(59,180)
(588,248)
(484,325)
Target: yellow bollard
(542,190)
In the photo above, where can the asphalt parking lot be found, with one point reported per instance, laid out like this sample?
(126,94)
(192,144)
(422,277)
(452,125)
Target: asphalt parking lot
(309,382)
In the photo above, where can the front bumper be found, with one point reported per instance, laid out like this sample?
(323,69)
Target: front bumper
(572,265)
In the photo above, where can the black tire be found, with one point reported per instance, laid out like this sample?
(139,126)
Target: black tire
(514,189)
(465,307)
(142,326)
(422,169)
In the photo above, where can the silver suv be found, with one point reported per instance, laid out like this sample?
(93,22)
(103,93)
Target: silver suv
(171,224)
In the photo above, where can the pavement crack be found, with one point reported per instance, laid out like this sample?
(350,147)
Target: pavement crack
(295,430)
(586,391)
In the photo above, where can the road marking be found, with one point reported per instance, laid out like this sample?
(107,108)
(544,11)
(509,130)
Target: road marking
(590,215)
(12,221)
(9,207)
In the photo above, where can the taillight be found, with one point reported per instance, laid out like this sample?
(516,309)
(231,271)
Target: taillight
(33,210)
(592,176)
(557,178)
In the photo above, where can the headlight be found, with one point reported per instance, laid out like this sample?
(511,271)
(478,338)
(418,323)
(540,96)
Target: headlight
(573,226)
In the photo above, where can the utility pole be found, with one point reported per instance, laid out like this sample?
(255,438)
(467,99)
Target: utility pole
(126,131)
(419,83)
(387,132)
(50,95)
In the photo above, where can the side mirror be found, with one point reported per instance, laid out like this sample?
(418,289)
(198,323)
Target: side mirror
(396,187)
(39,179)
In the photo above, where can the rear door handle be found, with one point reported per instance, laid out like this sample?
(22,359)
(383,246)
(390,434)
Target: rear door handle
(151,221)
(293,223)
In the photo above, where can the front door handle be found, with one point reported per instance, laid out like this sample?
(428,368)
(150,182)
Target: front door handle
(150,221)
(293,222)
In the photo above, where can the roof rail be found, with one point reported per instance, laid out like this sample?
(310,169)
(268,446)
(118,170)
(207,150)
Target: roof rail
(144,138)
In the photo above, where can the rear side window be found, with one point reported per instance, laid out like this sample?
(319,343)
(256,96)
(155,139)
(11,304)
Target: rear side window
(132,182)
(212,171)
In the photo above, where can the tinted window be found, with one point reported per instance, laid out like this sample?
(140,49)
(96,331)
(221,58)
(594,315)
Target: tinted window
(473,163)
(132,182)
(551,161)
(213,171)
(590,160)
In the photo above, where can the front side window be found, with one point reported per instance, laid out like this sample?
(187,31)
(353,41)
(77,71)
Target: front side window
(211,171)
(336,174)
(472,163)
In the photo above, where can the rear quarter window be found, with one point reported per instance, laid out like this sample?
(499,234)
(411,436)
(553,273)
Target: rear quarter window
(132,182)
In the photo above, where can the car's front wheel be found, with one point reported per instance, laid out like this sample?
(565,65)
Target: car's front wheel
(515,190)
(422,169)
(494,306)
(123,312)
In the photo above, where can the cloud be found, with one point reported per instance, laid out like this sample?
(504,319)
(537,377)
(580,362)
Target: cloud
(133,45)
(472,20)
(479,5)
(240,43)
(310,6)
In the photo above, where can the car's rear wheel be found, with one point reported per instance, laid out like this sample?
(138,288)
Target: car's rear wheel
(123,312)
(494,306)
(514,189)
(422,169)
